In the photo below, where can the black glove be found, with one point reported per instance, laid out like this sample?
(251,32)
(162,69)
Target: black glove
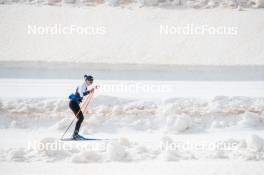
(86,93)
(80,99)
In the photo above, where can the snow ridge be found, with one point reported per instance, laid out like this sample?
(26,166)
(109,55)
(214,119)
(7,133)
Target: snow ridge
(172,115)
(197,4)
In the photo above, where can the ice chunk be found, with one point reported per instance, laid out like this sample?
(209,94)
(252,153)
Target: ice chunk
(116,152)
(178,123)
(255,143)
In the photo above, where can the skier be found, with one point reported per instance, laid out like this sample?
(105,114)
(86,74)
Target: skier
(76,99)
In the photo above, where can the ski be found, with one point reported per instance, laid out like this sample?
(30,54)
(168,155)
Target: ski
(86,139)
(81,138)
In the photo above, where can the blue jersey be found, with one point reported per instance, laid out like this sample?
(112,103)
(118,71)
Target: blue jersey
(80,92)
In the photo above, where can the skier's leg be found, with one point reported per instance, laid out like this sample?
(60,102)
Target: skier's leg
(78,113)
(78,124)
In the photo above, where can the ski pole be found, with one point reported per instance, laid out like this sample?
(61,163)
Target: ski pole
(85,108)
(87,99)
(67,129)
(74,118)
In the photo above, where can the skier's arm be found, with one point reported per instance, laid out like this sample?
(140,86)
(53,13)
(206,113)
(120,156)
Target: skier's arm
(83,90)
(87,92)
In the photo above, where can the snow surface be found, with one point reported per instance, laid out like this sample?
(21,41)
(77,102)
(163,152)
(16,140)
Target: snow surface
(62,88)
(175,132)
(138,128)
(169,168)
(126,72)
(201,127)
(131,35)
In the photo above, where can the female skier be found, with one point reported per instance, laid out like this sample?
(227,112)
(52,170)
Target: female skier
(76,99)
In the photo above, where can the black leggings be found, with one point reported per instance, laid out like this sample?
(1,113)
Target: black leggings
(78,113)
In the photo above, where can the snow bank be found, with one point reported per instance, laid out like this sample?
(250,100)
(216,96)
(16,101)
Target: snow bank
(249,149)
(251,119)
(17,155)
(118,150)
(255,143)
(115,106)
(257,3)
(47,148)
(86,157)
(171,115)
(33,106)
